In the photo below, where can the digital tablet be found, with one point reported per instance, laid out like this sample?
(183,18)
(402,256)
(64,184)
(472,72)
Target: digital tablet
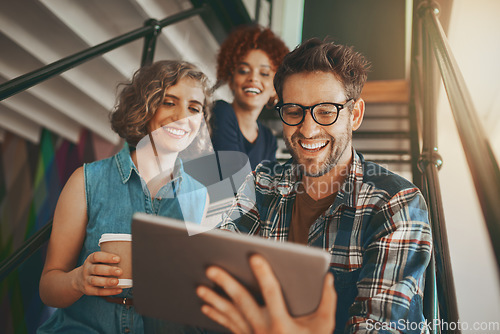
(169,263)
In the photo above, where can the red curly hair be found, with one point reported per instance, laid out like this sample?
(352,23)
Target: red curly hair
(240,42)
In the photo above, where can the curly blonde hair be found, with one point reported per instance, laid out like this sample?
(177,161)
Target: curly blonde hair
(139,99)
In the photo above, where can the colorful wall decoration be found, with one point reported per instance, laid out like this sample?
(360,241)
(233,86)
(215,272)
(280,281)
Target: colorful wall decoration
(31,179)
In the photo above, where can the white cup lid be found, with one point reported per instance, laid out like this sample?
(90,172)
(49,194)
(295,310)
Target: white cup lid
(115,237)
(125,283)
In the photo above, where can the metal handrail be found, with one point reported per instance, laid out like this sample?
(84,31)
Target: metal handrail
(446,297)
(30,79)
(431,305)
(28,248)
(480,158)
(414,111)
(430,46)
(440,299)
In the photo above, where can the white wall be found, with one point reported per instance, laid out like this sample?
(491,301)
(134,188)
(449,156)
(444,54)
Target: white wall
(474,37)
(287,21)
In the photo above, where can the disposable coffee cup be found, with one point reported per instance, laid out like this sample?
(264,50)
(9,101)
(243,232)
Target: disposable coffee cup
(121,245)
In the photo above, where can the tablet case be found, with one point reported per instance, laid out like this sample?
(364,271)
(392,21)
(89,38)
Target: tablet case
(168,265)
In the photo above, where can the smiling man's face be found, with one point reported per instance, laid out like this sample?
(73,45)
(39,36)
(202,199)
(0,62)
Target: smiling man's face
(317,148)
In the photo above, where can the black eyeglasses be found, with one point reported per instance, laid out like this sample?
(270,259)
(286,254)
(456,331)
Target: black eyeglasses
(325,113)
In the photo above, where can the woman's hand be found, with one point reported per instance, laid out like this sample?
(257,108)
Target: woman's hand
(242,314)
(97,276)
(63,282)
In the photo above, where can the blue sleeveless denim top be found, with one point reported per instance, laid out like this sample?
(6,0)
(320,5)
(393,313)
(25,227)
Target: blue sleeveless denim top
(114,192)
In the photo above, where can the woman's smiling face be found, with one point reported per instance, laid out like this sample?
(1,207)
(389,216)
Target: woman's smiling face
(252,81)
(178,119)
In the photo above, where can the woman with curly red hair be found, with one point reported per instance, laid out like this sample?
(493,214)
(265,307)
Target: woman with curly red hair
(247,62)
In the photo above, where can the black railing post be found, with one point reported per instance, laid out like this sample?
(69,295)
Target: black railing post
(431,307)
(270,13)
(414,107)
(415,139)
(430,162)
(478,152)
(257,11)
(448,309)
(148,51)
(429,144)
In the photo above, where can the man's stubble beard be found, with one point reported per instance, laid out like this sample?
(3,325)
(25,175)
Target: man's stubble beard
(336,149)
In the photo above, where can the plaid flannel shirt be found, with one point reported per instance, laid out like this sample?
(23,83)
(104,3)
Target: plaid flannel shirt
(377,233)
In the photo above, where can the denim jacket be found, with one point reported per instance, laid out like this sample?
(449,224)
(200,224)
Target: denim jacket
(114,191)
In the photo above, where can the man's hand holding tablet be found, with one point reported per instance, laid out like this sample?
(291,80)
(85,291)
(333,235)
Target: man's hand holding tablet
(242,314)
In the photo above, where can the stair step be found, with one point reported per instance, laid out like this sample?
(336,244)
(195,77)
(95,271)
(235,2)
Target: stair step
(375,116)
(381,134)
(384,152)
(390,161)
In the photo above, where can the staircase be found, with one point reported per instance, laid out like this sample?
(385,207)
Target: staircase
(384,137)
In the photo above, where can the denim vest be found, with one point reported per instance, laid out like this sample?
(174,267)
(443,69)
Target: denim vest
(114,192)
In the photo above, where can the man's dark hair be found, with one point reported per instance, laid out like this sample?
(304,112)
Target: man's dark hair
(314,55)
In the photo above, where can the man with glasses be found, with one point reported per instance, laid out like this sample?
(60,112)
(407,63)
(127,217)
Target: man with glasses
(372,222)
